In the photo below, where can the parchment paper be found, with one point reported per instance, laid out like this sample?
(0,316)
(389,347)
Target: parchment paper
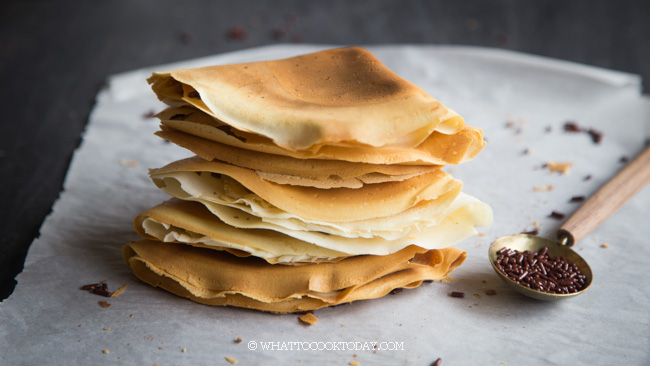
(520,101)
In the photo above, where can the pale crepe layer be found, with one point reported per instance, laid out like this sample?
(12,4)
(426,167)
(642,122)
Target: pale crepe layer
(218,278)
(191,223)
(183,179)
(317,173)
(194,130)
(334,181)
(343,97)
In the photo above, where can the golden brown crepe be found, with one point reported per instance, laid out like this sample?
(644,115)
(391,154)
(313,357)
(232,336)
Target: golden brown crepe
(243,234)
(337,97)
(218,278)
(225,181)
(195,130)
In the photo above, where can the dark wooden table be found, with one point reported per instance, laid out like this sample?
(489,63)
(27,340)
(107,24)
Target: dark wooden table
(56,55)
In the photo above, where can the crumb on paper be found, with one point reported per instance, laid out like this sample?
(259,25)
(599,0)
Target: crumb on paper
(562,168)
(149,114)
(557,215)
(477,296)
(231,360)
(119,291)
(447,279)
(535,230)
(104,304)
(309,319)
(105,351)
(491,292)
(543,188)
(577,199)
(107,329)
(130,163)
(184,350)
(130,315)
(354,363)
(481,234)
(604,245)
(238,340)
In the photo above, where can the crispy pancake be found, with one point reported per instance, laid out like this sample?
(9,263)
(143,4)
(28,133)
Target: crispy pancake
(243,234)
(194,130)
(194,178)
(218,278)
(342,97)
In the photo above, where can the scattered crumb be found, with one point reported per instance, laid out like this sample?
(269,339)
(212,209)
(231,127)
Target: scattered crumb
(309,319)
(624,159)
(543,188)
(457,294)
(577,199)
(604,245)
(105,351)
(477,296)
(130,315)
(557,215)
(236,33)
(354,363)
(491,292)
(238,340)
(437,362)
(149,114)
(481,234)
(184,350)
(104,304)
(562,168)
(231,360)
(527,151)
(447,279)
(107,329)
(160,348)
(534,231)
(588,177)
(120,290)
(80,325)
(130,163)
(185,37)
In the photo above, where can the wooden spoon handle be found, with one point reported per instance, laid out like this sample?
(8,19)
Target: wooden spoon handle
(612,196)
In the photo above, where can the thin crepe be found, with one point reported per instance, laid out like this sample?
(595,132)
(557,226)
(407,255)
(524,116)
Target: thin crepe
(192,129)
(218,278)
(191,223)
(341,97)
(213,181)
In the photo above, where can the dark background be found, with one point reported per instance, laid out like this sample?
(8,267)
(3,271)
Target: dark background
(55,55)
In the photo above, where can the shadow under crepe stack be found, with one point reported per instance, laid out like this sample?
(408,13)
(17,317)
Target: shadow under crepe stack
(317,181)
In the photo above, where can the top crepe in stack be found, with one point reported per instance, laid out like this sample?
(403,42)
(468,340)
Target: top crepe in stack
(317,181)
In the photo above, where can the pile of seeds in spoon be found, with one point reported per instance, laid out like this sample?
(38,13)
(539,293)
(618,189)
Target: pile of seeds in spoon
(540,271)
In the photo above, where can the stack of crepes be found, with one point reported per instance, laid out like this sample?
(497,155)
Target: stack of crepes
(317,181)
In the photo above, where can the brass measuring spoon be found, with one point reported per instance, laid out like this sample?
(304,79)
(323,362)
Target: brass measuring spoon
(612,196)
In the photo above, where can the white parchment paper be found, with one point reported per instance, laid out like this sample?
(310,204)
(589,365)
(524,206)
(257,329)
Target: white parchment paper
(521,102)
